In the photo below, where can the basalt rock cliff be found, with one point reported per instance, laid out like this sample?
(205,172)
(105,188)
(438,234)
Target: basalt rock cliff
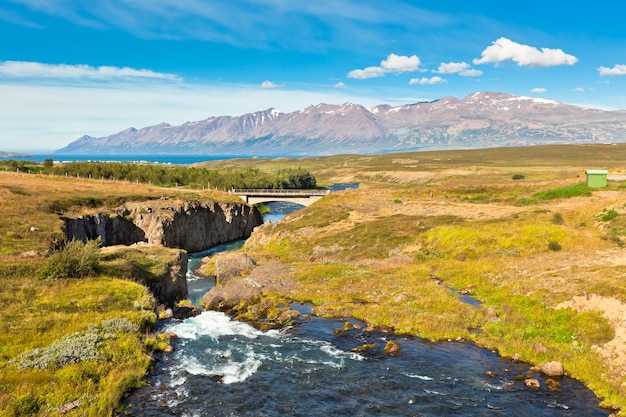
(190,225)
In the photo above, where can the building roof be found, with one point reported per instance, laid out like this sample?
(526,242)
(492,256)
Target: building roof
(596,172)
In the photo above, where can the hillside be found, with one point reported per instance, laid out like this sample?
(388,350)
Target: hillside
(480,120)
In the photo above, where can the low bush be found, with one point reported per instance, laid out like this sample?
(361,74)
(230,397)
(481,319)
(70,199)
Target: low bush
(608,215)
(75,260)
(557,218)
(554,246)
(75,347)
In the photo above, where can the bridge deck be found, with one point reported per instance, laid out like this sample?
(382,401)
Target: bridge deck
(278,192)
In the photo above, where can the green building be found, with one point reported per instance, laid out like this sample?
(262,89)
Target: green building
(596,177)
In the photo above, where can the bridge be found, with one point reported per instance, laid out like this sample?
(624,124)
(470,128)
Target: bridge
(302,197)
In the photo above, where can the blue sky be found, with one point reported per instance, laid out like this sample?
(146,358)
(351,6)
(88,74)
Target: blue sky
(74,67)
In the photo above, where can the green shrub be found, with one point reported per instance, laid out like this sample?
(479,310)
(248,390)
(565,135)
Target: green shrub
(608,215)
(554,246)
(518,177)
(75,260)
(479,197)
(119,325)
(426,254)
(27,405)
(557,218)
(75,347)
(526,202)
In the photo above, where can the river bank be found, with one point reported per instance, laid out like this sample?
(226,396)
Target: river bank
(318,366)
(491,248)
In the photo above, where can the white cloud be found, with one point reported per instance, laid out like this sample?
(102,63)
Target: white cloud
(369,72)
(401,63)
(616,70)
(427,81)
(461,68)
(268,84)
(452,67)
(578,89)
(471,73)
(340,85)
(393,64)
(538,90)
(505,49)
(22,69)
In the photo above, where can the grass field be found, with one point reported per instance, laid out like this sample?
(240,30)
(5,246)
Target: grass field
(514,228)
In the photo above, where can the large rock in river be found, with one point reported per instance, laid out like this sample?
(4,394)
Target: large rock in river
(552,369)
(272,277)
(227,267)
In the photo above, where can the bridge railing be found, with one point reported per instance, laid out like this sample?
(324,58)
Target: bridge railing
(278,192)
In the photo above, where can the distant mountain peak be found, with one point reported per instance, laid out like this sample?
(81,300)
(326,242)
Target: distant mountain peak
(481,119)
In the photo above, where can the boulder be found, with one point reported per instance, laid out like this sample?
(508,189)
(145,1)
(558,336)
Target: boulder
(228,296)
(227,267)
(271,277)
(392,348)
(288,315)
(532,383)
(552,369)
(553,384)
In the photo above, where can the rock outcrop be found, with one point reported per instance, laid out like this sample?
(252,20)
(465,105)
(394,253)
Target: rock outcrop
(173,287)
(190,225)
(270,277)
(227,267)
(165,272)
(112,230)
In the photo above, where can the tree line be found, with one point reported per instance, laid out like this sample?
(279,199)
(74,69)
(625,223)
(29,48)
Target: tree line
(192,177)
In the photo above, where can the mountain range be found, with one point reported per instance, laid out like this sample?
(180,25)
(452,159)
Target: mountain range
(480,120)
(6,155)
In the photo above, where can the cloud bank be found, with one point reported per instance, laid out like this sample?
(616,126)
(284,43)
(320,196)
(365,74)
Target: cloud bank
(461,68)
(616,70)
(22,69)
(505,49)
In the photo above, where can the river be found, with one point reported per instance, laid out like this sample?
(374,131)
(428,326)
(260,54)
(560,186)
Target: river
(222,367)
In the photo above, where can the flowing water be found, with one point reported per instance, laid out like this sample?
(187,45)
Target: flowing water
(221,367)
